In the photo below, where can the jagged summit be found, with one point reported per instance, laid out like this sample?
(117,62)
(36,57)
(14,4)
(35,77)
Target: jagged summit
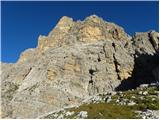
(68,32)
(65,19)
(93,28)
(94,18)
(63,24)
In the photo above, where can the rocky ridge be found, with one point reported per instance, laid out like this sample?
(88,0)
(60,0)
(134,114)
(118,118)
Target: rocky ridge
(76,60)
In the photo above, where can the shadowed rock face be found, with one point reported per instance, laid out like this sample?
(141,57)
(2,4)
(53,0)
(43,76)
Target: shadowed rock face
(76,60)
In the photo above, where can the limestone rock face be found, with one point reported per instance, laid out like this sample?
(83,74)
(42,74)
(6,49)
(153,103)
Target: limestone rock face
(76,60)
(26,55)
(42,43)
(146,46)
(146,43)
(92,29)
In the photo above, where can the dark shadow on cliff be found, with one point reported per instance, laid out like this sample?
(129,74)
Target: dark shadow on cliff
(146,71)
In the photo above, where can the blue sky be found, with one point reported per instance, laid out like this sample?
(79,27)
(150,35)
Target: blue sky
(23,22)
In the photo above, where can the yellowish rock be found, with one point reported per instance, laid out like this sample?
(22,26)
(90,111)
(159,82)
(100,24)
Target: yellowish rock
(90,33)
(51,74)
(72,68)
(125,73)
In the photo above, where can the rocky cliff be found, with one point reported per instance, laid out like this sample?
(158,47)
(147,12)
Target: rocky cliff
(76,60)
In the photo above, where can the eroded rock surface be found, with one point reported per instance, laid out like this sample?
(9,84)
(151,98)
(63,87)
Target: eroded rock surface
(76,60)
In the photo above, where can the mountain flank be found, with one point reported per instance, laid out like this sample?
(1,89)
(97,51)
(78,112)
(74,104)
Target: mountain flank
(77,60)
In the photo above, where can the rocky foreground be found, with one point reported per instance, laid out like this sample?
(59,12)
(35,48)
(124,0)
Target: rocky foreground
(140,103)
(79,60)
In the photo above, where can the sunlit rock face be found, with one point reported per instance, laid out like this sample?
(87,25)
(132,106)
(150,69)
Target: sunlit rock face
(92,29)
(76,60)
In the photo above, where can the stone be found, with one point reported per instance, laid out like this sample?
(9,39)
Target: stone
(144,85)
(96,99)
(108,99)
(113,93)
(83,114)
(154,84)
(153,99)
(119,92)
(155,114)
(60,117)
(145,93)
(149,114)
(140,92)
(131,103)
(55,115)
(141,97)
(117,101)
(69,113)
(133,97)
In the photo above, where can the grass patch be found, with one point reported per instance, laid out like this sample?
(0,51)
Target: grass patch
(105,111)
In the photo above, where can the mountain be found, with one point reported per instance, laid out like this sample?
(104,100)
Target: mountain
(77,59)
